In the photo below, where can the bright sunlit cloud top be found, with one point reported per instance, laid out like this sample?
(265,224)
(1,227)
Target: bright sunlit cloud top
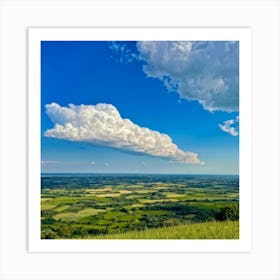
(103,125)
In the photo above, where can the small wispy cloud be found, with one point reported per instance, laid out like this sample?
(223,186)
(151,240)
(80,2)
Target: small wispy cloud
(47,162)
(103,125)
(122,53)
(230,126)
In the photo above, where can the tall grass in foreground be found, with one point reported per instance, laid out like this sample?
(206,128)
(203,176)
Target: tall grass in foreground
(207,230)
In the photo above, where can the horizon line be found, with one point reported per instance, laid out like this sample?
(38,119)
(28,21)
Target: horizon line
(134,173)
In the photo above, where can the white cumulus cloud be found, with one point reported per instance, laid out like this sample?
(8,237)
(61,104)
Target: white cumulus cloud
(204,71)
(102,124)
(230,126)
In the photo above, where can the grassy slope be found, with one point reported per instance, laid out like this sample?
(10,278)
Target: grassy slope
(208,230)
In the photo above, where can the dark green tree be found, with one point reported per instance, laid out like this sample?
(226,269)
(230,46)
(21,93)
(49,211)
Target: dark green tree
(228,213)
(48,234)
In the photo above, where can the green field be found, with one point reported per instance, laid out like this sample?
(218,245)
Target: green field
(139,207)
(207,230)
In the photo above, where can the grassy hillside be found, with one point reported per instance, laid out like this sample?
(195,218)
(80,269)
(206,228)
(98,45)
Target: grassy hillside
(208,230)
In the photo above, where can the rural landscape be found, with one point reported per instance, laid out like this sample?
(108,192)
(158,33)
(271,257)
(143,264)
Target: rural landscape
(139,207)
(127,130)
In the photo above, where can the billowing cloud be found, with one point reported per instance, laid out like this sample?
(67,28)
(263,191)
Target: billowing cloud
(231,126)
(204,71)
(102,124)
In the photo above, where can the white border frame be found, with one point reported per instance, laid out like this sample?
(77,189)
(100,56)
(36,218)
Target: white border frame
(262,16)
(243,35)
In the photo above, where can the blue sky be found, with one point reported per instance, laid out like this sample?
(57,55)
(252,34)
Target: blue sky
(148,107)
